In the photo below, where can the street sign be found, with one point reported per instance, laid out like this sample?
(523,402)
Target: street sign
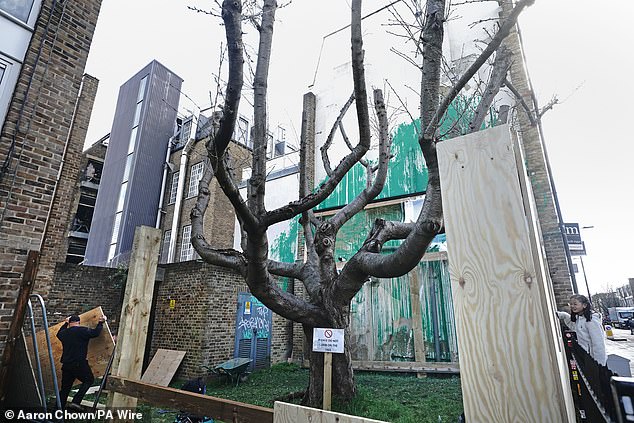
(573,237)
(328,340)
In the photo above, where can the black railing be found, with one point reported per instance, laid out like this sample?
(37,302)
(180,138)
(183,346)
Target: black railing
(590,383)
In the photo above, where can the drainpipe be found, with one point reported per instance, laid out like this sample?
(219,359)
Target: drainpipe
(179,199)
(159,215)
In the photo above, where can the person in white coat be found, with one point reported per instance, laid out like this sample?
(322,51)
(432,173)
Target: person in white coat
(587,325)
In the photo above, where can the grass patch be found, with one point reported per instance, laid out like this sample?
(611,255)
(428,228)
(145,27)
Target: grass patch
(397,398)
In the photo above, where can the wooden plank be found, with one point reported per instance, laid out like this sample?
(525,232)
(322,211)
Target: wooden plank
(292,413)
(163,366)
(417,319)
(327,397)
(549,304)
(135,313)
(407,366)
(435,256)
(26,286)
(197,404)
(99,348)
(509,371)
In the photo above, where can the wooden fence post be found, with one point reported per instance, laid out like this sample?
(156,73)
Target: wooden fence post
(135,313)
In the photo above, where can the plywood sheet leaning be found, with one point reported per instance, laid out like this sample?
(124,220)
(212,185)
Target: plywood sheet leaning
(163,367)
(99,349)
(509,368)
(291,413)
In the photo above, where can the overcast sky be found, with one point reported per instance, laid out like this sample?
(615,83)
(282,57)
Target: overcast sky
(578,50)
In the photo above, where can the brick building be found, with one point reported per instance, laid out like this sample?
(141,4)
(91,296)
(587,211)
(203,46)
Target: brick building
(83,204)
(41,140)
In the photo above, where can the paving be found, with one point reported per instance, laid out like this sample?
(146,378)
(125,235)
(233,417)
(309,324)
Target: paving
(622,344)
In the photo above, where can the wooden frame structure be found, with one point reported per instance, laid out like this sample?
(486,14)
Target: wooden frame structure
(511,353)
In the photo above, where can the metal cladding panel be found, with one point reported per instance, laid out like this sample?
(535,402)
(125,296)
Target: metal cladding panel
(155,129)
(158,115)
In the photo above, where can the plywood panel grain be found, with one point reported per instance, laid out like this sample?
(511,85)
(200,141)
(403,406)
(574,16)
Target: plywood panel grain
(509,368)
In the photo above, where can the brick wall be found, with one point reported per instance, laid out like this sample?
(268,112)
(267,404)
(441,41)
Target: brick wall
(32,142)
(540,179)
(64,204)
(76,289)
(202,321)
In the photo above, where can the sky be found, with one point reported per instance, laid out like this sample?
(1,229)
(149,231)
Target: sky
(574,50)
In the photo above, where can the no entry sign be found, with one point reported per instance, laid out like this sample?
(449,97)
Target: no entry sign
(328,340)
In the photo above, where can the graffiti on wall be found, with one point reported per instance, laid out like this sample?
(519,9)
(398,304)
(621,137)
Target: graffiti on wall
(257,324)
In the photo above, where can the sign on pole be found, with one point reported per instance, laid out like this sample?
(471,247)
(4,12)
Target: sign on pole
(573,236)
(328,340)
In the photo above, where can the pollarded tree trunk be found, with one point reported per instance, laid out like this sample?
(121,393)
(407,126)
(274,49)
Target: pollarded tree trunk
(329,291)
(343,386)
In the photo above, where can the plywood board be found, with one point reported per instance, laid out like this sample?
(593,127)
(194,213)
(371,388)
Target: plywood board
(163,367)
(99,349)
(509,368)
(291,413)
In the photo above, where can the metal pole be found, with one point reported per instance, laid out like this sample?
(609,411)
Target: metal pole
(585,278)
(50,350)
(36,353)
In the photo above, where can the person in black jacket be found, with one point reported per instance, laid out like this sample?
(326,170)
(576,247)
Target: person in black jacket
(75,340)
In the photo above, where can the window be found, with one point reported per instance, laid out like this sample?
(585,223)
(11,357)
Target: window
(9,70)
(187,250)
(122,193)
(113,248)
(115,228)
(142,86)
(167,238)
(20,9)
(174,188)
(280,142)
(128,166)
(195,176)
(137,114)
(186,130)
(241,134)
(132,142)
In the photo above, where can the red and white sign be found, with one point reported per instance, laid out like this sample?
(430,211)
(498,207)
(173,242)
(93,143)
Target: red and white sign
(328,340)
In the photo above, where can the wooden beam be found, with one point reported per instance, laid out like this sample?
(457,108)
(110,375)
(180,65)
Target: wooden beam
(292,413)
(135,313)
(190,402)
(26,287)
(435,256)
(509,368)
(327,397)
(407,366)
(417,320)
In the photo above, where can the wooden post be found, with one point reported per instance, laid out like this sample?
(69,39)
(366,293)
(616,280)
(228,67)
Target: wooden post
(510,352)
(327,380)
(135,313)
(26,287)
(417,322)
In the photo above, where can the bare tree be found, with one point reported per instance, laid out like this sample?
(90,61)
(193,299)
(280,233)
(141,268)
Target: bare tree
(329,291)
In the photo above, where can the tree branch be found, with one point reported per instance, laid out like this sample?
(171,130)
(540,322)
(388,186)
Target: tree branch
(501,66)
(368,194)
(257,182)
(505,28)
(231,12)
(519,98)
(324,148)
(360,95)
(227,258)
